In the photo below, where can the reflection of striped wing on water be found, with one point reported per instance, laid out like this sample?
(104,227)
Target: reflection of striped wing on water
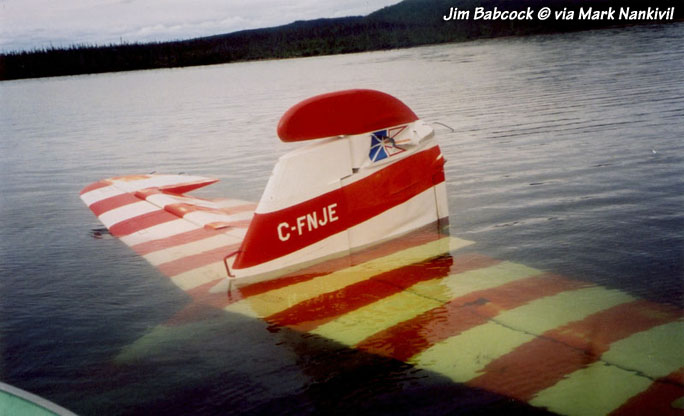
(566,345)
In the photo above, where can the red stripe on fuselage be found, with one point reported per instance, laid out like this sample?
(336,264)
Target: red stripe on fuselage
(275,234)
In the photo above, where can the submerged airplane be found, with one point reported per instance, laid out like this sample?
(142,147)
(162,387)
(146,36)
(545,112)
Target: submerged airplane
(349,243)
(375,173)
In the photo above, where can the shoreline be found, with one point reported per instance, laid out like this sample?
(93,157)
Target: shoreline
(410,23)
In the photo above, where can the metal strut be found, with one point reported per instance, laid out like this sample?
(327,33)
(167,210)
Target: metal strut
(231,276)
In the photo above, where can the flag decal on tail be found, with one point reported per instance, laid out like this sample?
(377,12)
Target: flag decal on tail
(383,144)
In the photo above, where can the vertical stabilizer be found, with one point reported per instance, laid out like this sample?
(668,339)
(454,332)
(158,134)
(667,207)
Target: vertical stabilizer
(374,173)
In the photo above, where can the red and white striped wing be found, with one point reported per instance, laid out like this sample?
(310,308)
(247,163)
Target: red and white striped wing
(474,319)
(185,237)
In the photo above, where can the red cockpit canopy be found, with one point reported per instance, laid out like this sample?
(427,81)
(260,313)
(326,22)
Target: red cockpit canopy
(342,113)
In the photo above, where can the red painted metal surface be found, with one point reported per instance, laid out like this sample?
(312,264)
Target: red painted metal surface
(342,113)
(355,203)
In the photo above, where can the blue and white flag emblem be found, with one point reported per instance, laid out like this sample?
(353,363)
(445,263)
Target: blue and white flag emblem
(382,144)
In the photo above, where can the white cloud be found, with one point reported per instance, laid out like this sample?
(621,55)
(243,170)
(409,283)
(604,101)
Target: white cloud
(29,24)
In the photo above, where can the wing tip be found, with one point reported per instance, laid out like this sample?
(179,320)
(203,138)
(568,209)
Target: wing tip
(93,186)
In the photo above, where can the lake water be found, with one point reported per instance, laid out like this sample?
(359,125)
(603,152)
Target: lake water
(566,155)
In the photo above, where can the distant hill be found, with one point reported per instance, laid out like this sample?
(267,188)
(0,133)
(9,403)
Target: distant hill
(406,24)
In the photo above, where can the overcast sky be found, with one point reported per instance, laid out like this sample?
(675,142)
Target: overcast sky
(29,24)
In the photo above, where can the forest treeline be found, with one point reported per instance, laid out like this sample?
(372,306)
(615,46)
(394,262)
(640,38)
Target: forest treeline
(409,23)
